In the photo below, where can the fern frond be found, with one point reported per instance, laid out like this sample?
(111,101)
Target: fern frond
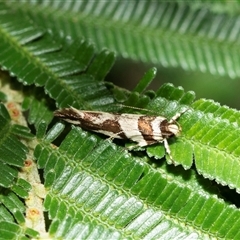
(14,205)
(211,136)
(93,198)
(42,62)
(12,151)
(223,112)
(221,6)
(167,33)
(10,230)
(35,102)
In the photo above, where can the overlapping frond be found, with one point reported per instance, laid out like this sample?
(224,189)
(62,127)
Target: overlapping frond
(12,212)
(36,105)
(12,151)
(210,134)
(192,36)
(41,61)
(94,197)
(223,112)
(12,156)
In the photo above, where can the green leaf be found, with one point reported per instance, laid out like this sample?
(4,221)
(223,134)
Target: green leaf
(146,80)
(133,98)
(54,132)
(101,65)
(36,104)
(5,214)
(93,198)
(191,35)
(21,131)
(12,151)
(21,188)
(9,230)
(13,231)
(224,112)
(8,175)
(13,204)
(42,61)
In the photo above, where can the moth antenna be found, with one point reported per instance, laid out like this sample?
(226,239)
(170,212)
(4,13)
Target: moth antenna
(114,135)
(177,115)
(137,108)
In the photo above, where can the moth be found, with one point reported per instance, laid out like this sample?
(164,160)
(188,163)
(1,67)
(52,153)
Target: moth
(143,129)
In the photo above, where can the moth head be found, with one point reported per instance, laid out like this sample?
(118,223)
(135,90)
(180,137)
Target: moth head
(170,129)
(174,128)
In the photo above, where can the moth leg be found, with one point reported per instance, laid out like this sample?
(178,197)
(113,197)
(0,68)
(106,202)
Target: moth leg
(115,135)
(142,144)
(167,148)
(135,145)
(168,151)
(130,148)
(146,143)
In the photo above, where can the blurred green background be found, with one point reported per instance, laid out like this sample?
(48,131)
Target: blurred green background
(222,89)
